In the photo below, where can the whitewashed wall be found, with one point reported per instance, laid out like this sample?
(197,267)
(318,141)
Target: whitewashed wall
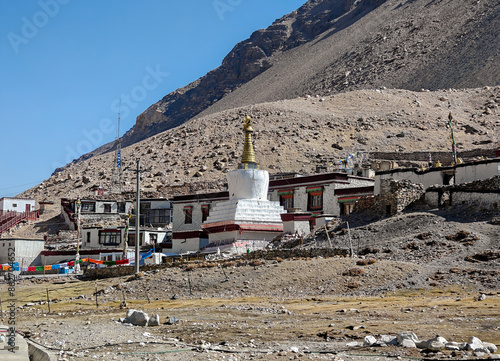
(27,251)
(427,179)
(16,204)
(184,245)
(477,172)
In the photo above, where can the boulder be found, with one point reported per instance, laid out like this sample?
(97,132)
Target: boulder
(154,320)
(369,341)
(388,340)
(436,344)
(137,318)
(172,320)
(476,345)
(455,346)
(407,343)
(490,346)
(406,336)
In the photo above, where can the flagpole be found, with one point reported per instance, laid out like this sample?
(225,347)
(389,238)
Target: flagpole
(453,145)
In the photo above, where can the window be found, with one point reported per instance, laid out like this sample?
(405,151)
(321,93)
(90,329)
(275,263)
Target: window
(158,216)
(110,237)
(107,208)
(131,239)
(347,204)
(88,206)
(14,205)
(286,199)
(88,237)
(205,212)
(346,208)
(315,198)
(121,207)
(153,238)
(145,207)
(188,215)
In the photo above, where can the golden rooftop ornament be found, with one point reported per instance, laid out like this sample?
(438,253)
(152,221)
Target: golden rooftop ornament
(248,159)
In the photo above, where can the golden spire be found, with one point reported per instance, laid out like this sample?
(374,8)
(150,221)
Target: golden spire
(248,159)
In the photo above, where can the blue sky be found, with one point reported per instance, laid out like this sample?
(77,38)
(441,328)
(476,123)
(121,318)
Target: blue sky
(66,63)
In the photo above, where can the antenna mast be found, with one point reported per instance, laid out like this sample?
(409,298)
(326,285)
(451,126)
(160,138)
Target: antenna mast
(117,172)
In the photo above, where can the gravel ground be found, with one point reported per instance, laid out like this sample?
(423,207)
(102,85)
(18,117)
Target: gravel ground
(414,272)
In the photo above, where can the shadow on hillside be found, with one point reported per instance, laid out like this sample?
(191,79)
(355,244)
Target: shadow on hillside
(50,226)
(352,17)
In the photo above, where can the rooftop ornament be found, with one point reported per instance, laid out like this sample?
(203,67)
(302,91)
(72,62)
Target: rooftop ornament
(248,160)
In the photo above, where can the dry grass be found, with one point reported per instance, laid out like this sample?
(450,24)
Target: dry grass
(451,312)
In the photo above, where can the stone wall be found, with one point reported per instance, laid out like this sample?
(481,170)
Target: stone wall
(484,194)
(444,157)
(100,273)
(108,272)
(394,197)
(297,253)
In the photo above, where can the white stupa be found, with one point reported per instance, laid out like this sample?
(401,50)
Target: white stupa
(246,221)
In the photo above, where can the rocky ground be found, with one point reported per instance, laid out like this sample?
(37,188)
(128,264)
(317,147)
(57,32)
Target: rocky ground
(296,135)
(425,271)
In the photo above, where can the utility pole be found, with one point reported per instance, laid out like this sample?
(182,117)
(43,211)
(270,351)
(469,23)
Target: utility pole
(137,216)
(138,213)
(79,232)
(125,234)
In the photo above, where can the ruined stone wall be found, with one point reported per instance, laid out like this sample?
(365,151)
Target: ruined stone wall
(394,197)
(483,194)
(297,253)
(481,200)
(444,157)
(100,273)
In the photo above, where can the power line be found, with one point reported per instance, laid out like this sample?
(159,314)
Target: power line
(20,185)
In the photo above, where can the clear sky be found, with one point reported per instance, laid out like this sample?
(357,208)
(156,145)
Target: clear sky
(64,65)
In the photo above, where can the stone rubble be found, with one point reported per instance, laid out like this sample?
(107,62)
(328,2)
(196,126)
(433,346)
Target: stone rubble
(435,344)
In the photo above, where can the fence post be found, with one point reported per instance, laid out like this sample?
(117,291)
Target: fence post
(48,299)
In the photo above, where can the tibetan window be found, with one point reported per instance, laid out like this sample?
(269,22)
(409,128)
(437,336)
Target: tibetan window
(205,212)
(286,199)
(188,215)
(110,237)
(314,198)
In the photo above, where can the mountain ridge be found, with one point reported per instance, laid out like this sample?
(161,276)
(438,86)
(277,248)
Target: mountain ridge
(331,46)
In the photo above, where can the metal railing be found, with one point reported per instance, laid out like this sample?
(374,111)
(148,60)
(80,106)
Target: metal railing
(17,218)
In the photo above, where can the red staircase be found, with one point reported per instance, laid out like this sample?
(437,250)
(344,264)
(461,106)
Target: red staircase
(10,219)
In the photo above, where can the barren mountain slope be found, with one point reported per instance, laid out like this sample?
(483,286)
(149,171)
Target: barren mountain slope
(293,136)
(400,44)
(330,46)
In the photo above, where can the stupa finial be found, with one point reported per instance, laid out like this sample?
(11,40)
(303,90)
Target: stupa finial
(248,160)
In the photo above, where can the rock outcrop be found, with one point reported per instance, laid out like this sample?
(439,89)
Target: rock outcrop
(331,46)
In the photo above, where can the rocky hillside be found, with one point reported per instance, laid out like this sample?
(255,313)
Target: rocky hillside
(296,135)
(330,46)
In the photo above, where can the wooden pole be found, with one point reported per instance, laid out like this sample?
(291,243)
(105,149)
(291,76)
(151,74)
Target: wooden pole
(96,303)
(124,300)
(189,283)
(327,235)
(350,240)
(225,275)
(48,298)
